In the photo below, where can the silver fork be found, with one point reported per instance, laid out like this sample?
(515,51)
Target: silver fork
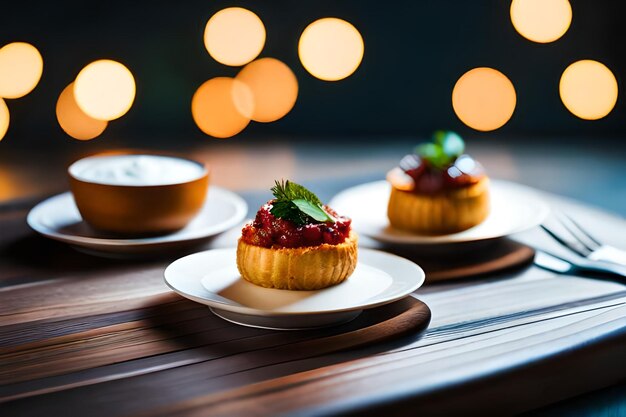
(584,244)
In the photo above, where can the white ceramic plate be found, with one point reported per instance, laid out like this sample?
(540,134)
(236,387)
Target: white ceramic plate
(211,278)
(514,208)
(58,218)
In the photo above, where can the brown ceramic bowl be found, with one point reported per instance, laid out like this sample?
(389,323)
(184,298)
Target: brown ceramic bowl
(120,207)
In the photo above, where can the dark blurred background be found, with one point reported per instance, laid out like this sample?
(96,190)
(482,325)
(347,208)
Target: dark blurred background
(414,53)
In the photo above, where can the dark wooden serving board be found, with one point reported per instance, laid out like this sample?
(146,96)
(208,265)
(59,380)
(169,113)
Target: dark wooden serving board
(458,261)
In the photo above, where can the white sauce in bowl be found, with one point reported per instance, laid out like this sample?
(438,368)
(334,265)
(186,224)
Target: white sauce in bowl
(136,170)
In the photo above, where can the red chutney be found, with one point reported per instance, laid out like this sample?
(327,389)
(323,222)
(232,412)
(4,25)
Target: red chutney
(463,172)
(268,231)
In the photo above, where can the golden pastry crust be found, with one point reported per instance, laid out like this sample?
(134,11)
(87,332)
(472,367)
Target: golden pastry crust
(305,268)
(448,212)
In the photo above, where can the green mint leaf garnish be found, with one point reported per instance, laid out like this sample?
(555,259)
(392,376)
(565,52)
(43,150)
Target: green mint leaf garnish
(284,209)
(294,202)
(433,154)
(443,151)
(439,137)
(451,144)
(287,190)
(313,210)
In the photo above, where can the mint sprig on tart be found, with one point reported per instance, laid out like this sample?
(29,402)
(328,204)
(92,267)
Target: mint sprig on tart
(295,203)
(444,149)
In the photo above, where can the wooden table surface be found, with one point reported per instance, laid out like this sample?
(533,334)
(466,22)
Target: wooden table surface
(84,335)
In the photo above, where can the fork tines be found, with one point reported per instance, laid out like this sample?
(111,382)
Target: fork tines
(584,243)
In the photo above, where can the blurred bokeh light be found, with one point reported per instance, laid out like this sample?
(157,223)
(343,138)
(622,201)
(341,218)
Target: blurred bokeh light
(21,66)
(274,87)
(105,90)
(222,106)
(331,49)
(73,120)
(588,89)
(234,36)
(541,21)
(484,99)
(4,118)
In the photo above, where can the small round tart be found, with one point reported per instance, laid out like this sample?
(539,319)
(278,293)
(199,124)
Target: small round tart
(438,189)
(450,211)
(295,242)
(299,268)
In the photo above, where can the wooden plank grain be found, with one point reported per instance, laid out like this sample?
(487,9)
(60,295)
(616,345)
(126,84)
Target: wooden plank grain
(401,318)
(78,294)
(44,329)
(362,386)
(256,365)
(191,377)
(111,344)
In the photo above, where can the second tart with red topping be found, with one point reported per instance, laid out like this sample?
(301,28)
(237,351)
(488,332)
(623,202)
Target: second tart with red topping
(438,189)
(297,243)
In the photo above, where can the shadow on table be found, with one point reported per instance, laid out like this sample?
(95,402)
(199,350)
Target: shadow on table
(373,331)
(30,257)
(34,251)
(465,260)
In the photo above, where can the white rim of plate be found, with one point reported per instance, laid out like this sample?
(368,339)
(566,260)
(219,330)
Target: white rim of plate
(241,210)
(402,237)
(408,266)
